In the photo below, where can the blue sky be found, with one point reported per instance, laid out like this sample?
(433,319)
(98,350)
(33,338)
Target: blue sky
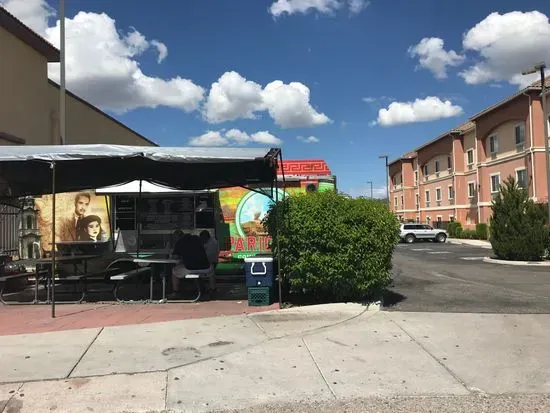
(355,57)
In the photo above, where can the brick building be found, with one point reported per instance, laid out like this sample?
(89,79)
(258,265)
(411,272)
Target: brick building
(456,175)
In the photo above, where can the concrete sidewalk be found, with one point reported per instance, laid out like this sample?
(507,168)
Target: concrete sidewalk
(471,242)
(318,358)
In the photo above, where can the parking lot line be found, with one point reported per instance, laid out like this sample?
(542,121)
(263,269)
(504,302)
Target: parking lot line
(421,249)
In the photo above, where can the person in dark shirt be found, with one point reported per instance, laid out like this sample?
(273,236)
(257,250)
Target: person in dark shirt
(190,252)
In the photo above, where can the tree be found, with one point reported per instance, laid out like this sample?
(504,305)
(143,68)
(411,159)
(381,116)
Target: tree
(518,230)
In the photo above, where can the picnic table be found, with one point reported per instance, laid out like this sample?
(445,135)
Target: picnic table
(153,265)
(47,276)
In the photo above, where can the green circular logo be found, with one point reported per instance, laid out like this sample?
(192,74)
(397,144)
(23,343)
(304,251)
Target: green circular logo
(251,210)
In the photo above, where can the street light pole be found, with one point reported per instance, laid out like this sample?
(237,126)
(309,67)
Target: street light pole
(385,157)
(540,68)
(62,71)
(370,182)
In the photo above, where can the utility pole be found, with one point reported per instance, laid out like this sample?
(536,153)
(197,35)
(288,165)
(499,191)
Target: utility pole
(540,68)
(385,157)
(370,182)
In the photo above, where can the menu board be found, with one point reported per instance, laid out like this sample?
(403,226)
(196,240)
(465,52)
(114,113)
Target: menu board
(167,213)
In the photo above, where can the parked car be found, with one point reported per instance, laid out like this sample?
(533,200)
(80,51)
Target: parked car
(412,232)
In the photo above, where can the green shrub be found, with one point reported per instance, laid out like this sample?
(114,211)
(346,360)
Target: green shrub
(333,248)
(518,230)
(482,231)
(453,228)
(468,234)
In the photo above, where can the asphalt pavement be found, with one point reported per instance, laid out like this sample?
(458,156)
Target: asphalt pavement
(453,278)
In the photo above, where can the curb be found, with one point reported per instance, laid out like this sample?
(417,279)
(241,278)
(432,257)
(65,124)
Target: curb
(518,263)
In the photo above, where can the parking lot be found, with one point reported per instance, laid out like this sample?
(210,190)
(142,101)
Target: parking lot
(453,278)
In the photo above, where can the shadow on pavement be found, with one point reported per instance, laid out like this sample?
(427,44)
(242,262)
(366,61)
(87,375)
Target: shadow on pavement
(391,298)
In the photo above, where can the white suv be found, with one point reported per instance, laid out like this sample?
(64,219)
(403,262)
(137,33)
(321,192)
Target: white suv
(412,232)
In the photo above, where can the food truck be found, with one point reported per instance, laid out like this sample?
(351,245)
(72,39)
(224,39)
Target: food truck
(142,216)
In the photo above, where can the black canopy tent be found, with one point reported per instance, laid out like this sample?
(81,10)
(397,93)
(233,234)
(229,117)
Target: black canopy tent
(38,170)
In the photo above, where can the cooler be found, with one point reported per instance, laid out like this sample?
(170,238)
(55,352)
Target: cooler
(259,271)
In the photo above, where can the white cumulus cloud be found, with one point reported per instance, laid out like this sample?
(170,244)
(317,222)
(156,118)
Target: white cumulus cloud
(378,191)
(433,56)
(234,97)
(505,45)
(34,13)
(281,7)
(308,139)
(420,110)
(234,137)
(102,61)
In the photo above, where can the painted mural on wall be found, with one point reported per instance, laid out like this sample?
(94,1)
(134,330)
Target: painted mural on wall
(80,216)
(243,211)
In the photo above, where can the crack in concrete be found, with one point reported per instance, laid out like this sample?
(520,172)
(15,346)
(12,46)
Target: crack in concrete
(318,368)
(4,409)
(84,353)
(447,369)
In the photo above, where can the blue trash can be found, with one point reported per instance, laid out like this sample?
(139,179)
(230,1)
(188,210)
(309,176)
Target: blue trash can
(259,271)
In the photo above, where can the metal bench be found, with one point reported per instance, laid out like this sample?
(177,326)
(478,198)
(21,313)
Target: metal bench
(119,279)
(4,280)
(196,277)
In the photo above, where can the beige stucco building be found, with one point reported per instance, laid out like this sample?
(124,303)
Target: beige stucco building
(29,101)
(457,175)
(29,115)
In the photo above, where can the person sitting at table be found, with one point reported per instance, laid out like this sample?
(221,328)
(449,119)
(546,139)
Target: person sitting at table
(172,243)
(212,250)
(192,257)
(90,229)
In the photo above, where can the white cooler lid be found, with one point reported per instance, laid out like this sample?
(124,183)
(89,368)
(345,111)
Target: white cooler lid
(258,259)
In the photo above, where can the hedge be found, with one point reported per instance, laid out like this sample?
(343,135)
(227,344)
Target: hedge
(482,231)
(453,228)
(333,248)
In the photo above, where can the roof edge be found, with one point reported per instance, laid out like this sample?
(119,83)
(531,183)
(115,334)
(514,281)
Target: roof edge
(24,33)
(95,108)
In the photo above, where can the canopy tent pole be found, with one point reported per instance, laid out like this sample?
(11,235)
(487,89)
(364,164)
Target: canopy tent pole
(138,223)
(53,240)
(279,262)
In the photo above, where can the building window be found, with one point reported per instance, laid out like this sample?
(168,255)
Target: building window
(492,145)
(417,200)
(426,170)
(418,220)
(521,178)
(495,183)
(416,177)
(449,163)
(471,189)
(438,194)
(520,134)
(427,198)
(470,154)
(395,201)
(451,192)
(402,202)
(439,218)
(437,166)
(451,218)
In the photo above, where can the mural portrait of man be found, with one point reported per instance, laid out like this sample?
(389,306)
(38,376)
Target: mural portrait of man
(70,227)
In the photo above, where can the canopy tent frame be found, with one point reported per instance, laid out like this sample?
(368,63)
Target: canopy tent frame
(79,167)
